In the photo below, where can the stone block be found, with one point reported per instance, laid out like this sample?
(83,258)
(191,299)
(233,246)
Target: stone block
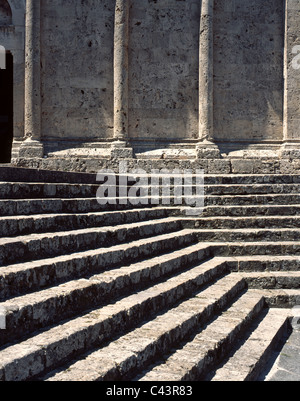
(242,166)
(219,166)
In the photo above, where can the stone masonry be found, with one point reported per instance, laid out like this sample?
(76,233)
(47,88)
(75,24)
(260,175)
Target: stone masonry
(153,79)
(146,292)
(120,292)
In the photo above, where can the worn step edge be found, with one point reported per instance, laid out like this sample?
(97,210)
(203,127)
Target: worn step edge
(258,248)
(38,310)
(249,360)
(261,263)
(53,347)
(196,357)
(44,191)
(196,188)
(281,298)
(35,246)
(17,174)
(19,190)
(274,280)
(16,207)
(123,358)
(15,280)
(249,200)
(14,187)
(22,225)
(247,189)
(245,222)
(255,178)
(251,210)
(247,235)
(209,197)
(70,205)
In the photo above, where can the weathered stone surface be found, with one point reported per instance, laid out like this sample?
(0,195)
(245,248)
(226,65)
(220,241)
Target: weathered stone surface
(45,245)
(84,164)
(132,351)
(248,39)
(163,70)
(130,287)
(207,345)
(244,364)
(160,75)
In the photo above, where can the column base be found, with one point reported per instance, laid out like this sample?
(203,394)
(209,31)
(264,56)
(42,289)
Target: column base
(207,150)
(31,149)
(121,150)
(290,150)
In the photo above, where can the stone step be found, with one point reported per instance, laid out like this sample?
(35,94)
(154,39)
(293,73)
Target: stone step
(285,360)
(230,222)
(252,189)
(215,205)
(258,248)
(208,345)
(27,190)
(253,200)
(208,179)
(16,280)
(26,277)
(195,188)
(28,207)
(196,177)
(49,306)
(272,280)
(201,200)
(39,246)
(25,207)
(252,179)
(249,234)
(281,298)
(126,356)
(263,263)
(251,210)
(128,282)
(41,223)
(249,360)
(19,174)
(47,350)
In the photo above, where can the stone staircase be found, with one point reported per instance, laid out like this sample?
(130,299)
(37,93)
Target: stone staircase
(145,293)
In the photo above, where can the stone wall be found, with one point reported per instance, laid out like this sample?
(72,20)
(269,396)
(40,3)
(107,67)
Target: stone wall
(163,70)
(77,60)
(248,70)
(163,77)
(163,57)
(255,86)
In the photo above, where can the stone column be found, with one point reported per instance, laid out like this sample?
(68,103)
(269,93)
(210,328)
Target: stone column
(206,147)
(120,146)
(32,146)
(291,123)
